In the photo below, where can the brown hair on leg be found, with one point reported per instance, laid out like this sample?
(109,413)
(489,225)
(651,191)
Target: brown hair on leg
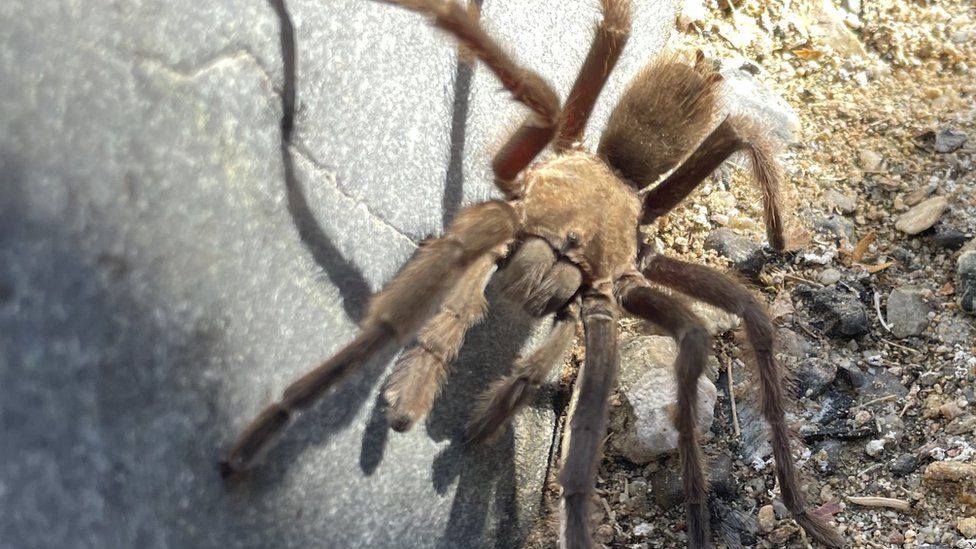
(735,133)
(721,291)
(394,314)
(526,86)
(420,371)
(638,298)
(505,397)
(608,43)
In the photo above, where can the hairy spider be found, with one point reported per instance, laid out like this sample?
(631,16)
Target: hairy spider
(569,239)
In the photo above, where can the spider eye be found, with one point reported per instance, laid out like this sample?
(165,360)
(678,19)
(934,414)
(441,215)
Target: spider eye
(573,240)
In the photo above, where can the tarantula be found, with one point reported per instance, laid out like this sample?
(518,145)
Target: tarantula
(569,237)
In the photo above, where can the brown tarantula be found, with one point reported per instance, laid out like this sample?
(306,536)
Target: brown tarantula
(569,234)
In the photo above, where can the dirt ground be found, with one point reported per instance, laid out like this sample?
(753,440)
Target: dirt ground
(884,94)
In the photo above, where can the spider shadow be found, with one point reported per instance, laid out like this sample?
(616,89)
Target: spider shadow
(485,473)
(343,273)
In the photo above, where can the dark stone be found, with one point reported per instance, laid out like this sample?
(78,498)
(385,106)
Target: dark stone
(666,488)
(735,247)
(832,451)
(813,376)
(948,237)
(966,281)
(720,477)
(904,464)
(838,311)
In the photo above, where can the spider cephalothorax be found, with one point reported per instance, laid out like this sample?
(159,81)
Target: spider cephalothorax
(568,236)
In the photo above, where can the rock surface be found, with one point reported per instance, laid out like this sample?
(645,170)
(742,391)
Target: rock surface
(907,312)
(647,387)
(167,266)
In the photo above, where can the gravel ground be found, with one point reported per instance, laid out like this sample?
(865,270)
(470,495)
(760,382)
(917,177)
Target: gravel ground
(874,305)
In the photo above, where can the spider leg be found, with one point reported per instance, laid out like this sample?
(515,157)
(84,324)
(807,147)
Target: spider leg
(526,86)
(735,133)
(509,394)
(394,314)
(608,43)
(588,420)
(638,298)
(420,372)
(721,291)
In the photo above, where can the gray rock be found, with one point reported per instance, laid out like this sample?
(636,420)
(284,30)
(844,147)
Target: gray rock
(904,464)
(829,277)
(642,424)
(835,226)
(715,320)
(827,456)
(837,310)
(751,96)
(877,383)
(814,376)
(842,202)
(728,243)
(907,312)
(947,141)
(165,270)
(966,281)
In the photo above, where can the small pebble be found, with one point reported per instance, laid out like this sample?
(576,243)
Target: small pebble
(947,141)
(829,277)
(870,161)
(842,202)
(950,410)
(875,447)
(643,529)
(967,527)
(766,518)
(950,471)
(782,534)
(603,534)
(904,465)
(948,238)
(861,418)
(922,216)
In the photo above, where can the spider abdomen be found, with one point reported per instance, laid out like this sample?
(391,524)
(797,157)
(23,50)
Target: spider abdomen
(578,205)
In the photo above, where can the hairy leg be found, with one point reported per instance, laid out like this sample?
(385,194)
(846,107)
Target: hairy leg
(508,395)
(588,420)
(394,314)
(526,86)
(638,298)
(721,291)
(608,43)
(420,372)
(735,133)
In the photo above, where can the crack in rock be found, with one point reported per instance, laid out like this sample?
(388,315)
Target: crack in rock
(303,150)
(193,71)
